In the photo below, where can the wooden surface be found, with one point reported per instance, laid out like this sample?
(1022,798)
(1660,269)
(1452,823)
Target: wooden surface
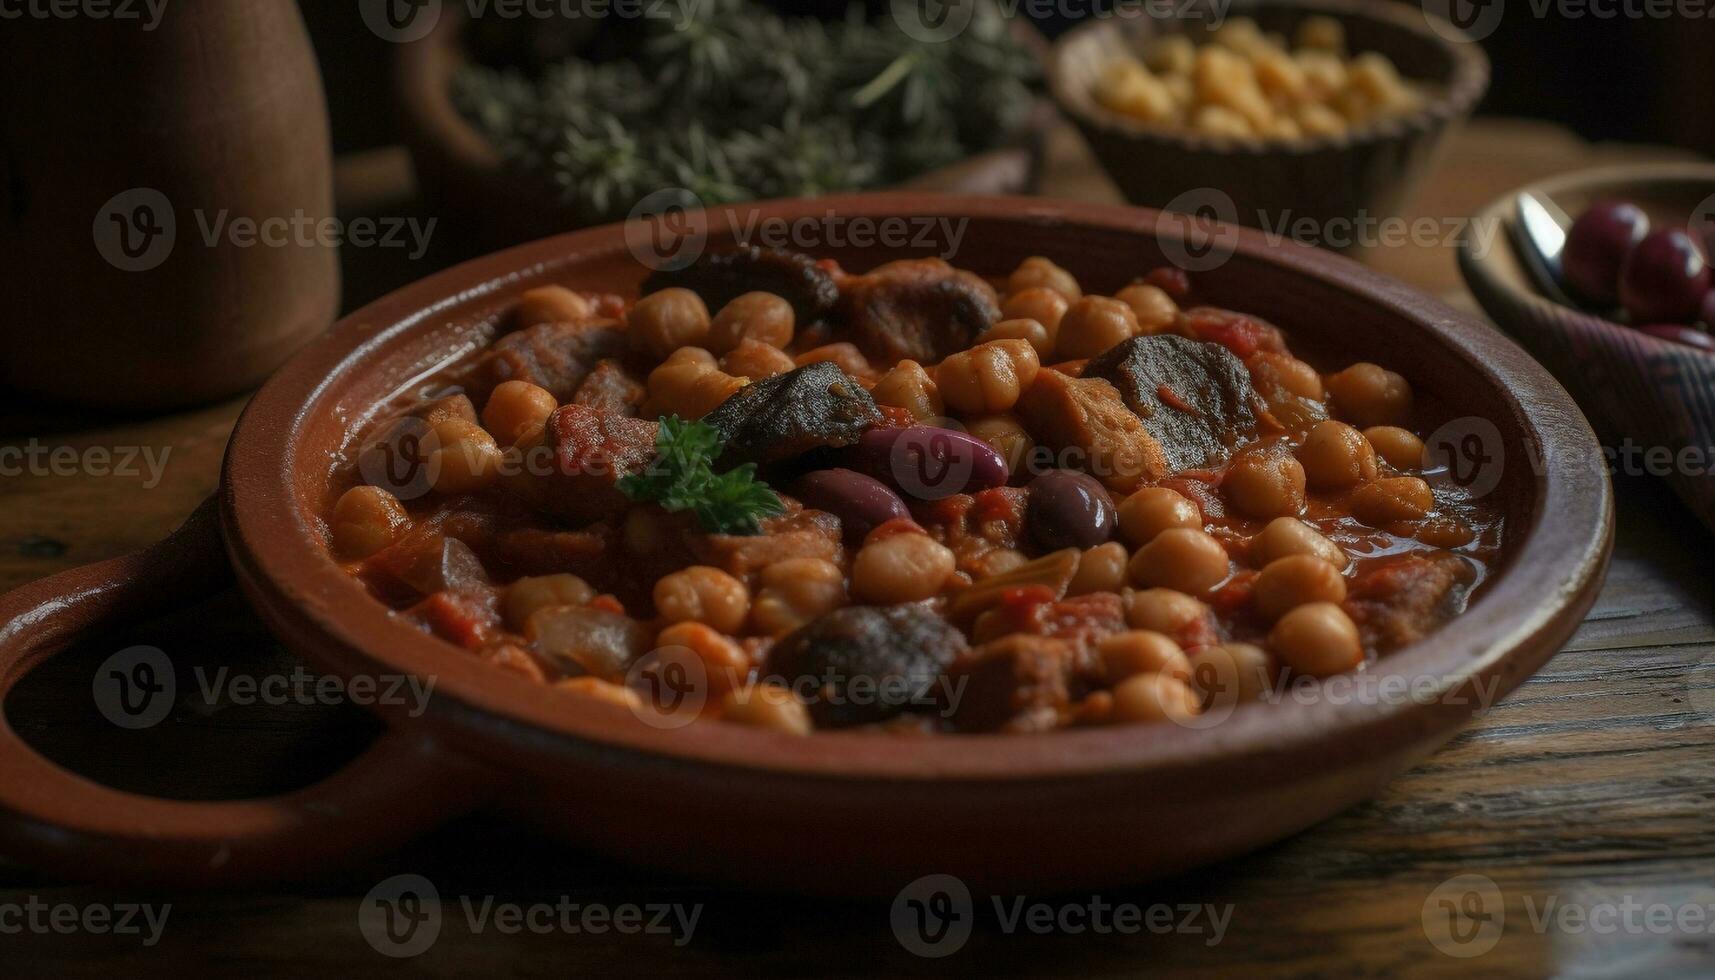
(1586,793)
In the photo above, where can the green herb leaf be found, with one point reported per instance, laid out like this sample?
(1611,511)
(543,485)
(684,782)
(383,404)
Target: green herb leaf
(682,477)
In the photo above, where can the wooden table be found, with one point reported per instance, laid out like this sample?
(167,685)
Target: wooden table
(1590,788)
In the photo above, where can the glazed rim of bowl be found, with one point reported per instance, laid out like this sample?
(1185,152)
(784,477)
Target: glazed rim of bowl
(1618,176)
(270,496)
(1069,79)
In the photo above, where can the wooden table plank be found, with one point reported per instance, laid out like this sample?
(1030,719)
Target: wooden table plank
(1590,786)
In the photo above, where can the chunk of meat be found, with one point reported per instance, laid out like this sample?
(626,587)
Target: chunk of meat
(1240,333)
(865,664)
(720,277)
(1195,398)
(587,640)
(583,453)
(790,414)
(609,387)
(799,534)
(1086,418)
(922,309)
(556,356)
(1016,684)
(1081,620)
(1401,601)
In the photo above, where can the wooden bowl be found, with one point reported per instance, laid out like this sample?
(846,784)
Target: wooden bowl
(464,175)
(1336,181)
(837,812)
(1637,389)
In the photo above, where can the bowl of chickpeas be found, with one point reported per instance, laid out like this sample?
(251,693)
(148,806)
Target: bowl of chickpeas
(1029,559)
(1302,116)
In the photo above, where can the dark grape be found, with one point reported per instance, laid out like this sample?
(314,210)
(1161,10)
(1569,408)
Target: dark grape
(1665,278)
(1596,249)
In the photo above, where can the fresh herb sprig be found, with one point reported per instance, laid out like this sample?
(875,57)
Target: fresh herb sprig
(682,477)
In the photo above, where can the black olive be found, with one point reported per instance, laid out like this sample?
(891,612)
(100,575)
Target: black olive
(1068,509)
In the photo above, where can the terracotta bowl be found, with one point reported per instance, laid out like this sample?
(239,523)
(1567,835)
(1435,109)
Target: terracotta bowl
(463,174)
(1636,388)
(1368,174)
(1078,808)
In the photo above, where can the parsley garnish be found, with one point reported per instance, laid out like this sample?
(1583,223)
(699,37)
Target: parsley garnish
(682,477)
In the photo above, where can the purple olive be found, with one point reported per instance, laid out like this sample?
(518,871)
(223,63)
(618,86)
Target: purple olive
(1689,336)
(1665,278)
(1596,248)
(929,463)
(861,503)
(1068,509)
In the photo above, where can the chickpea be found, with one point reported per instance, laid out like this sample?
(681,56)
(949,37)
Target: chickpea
(1336,456)
(846,356)
(1164,611)
(1137,652)
(762,317)
(1215,120)
(1038,303)
(1226,83)
(1318,639)
(1152,510)
(1400,447)
(365,520)
(1265,482)
(688,388)
(725,663)
(601,690)
(703,594)
(987,378)
(1230,673)
(766,706)
(1183,558)
(908,386)
(1154,697)
(1155,310)
(1399,498)
(998,562)
(1321,32)
(794,592)
(1038,271)
(1290,536)
(1100,569)
(1127,87)
(1319,120)
(667,320)
(1375,78)
(1281,370)
(1296,580)
(1005,435)
(551,304)
(687,356)
(525,596)
(755,360)
(1368,395)
(1171,54)
(467,458)
(1094,324)
(1033,333)
(901,568)
(515,659)
(1281,79)
(514,408)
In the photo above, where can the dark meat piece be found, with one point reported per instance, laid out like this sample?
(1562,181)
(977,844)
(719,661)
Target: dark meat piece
(1081,621)
(800,534)
(790,414)
(721,277)
(865,664)
(1400,602)
(1195,398)
(556,356)
(1016,684)
(1087,424)
(922,309)
(610,388)
(571,474)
